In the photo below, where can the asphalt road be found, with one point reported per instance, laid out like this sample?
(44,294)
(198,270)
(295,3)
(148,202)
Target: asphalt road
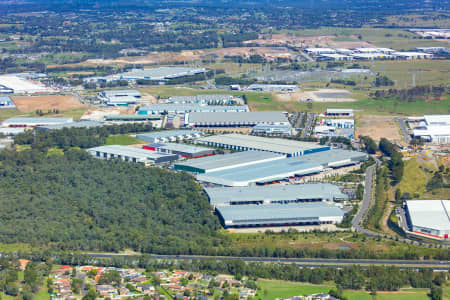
(309,122)
(367,199)
(444,265)
(404,130)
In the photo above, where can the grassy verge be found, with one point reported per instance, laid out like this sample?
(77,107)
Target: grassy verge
(123,139)
(283,289)
(414,179)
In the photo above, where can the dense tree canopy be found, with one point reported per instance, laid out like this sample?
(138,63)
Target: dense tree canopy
(73,201)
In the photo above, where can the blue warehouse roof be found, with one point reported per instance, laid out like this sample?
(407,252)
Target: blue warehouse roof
(261,172)
(241,215)
(274,193)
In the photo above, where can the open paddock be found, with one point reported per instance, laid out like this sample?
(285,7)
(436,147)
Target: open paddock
(33,103)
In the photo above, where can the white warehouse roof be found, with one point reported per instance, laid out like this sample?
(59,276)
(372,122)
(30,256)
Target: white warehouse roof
(431,214)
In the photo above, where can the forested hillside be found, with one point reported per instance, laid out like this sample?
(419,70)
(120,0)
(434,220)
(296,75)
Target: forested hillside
(73,201)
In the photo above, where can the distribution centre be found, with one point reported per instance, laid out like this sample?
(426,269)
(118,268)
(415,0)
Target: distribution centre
(274,194)
(131,154)
(186,151)
(429,217)
(235,119)
(169,135)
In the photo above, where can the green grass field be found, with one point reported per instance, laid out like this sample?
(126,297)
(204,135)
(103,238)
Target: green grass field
(283,289)
(123,139)
(414,179)
(419,294)
(357,295)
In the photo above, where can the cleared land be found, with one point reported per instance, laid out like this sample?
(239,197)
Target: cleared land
(32,103)
(321,95)
(377,127)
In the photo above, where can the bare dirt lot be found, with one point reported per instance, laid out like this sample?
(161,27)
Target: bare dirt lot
(377,127)
(321,95)
(32,103)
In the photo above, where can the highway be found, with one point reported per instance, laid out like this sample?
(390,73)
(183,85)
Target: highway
(307,262)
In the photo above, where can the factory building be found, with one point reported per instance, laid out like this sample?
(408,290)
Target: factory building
(412,55)
(186,151)
(226,161)
(33,122)
(78,124)
(272,87)
(174,109)
(336,158)
(160,74)
(335,56)
(339,112)
(169,136)
(235,119)
(119,97)
(432,128)
(6,103)
(240,142)
(268,129)
(155,120)
(131,154)
(316,213)
(216,99)
(20,85)
(261,173)
(320,51)
(429,217)
(274,194)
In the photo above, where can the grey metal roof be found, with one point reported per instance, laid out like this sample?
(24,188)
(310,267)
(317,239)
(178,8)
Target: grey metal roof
(261,172)
(282,212)
(335,157)
(121,93)
(79,124)
(129,151)
(292,192)
(430,213)
(227,161)
(237,117)
(193,108)
(161,73)
(132,117)
(261,143)
(23,120)
(168,134)
(180,147)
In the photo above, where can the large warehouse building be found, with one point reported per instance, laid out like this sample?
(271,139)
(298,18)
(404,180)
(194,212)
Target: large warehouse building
(316,213)
(131,154)
(432,128)
(160,74)
(19,85)
(77,124)
(336,158)
(119,97)
(33,122)
(186,151)
(174,109)
(169,136)
(226,161)
(235,119)
(242,142)
(429,217)
(275,194)
(261,173)
(208,99)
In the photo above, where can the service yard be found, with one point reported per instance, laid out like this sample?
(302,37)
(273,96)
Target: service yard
(33,103)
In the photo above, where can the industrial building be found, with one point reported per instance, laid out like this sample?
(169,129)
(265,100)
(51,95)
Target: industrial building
(215,99)
(7,103)
(336,158)
(242,142)
(316,213)
(429,217)
(131,154)
(183,150)
(226,161)
(169,136)
(160,74)
(268,129)
(156,120)
(412,55)
(320,51)
(431,128)
(119,97)
(272,87)
(33,122)
(174,109)
(335,56)
(235,119)
(20,85)
(260,173)
(339,112)
(78,124)
(274,194)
